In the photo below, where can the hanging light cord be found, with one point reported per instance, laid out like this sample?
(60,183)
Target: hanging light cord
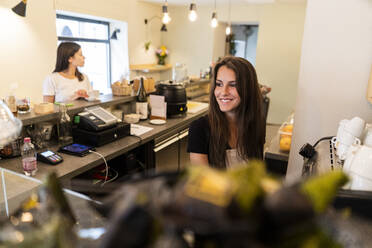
(229,12)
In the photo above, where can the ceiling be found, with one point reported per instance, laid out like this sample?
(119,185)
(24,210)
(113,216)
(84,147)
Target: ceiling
(211,2)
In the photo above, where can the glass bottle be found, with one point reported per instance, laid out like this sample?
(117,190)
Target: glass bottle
(141,103)
(64,126)
(29,162)
(11,102)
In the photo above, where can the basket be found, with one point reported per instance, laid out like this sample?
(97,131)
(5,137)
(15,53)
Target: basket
(121,90)
(148,83)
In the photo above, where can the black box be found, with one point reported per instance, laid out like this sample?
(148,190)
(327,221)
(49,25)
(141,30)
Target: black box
(100,138)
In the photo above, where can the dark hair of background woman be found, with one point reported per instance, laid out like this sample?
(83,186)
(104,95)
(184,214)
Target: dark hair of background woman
(250,119)
(65,51)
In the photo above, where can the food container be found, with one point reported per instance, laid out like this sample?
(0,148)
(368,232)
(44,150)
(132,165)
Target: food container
(23,105)
(13,149)
(285,134)
(11,102)
(175,97)
(44,108)
(132,118)
(121,88)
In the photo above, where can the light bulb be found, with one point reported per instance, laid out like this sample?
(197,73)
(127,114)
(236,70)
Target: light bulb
(228,30)
(166,18)
(214,22)
(192,15)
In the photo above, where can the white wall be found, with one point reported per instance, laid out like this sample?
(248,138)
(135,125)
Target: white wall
(28,45)
(190,43)
(335,66)
(27,48)
(195,44)
(219,41)
(278,49)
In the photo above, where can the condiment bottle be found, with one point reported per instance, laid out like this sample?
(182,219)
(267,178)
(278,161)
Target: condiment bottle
(141,103)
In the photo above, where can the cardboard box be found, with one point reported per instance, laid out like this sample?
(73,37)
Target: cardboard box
(149,84)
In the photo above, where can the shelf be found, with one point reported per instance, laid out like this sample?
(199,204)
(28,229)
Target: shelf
(150,67)
(78,105)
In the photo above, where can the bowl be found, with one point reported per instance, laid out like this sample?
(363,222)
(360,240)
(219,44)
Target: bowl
(132,118)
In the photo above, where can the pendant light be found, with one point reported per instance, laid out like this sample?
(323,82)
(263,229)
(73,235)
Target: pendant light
(114,35)
(166,18)
(20,9)
(192,14)
(214,21)
(228,28)
(163,28)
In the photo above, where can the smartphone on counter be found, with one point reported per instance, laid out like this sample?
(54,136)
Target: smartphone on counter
(76,149)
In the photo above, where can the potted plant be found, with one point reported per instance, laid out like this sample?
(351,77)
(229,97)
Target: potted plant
(161,53)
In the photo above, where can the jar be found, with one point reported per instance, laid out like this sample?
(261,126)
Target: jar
(64,126)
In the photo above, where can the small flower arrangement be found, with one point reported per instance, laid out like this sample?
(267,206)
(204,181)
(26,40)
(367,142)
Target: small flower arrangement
(161,53)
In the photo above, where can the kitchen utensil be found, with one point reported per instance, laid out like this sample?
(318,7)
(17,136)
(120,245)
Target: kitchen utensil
(175,97)
(358,165)
(44,108)
(157,121)
(132,118)
(355,126)
(367,135)
(23,105)
(93,95)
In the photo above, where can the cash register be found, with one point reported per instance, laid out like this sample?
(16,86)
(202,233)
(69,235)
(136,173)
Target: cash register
(96,119)
(97,126)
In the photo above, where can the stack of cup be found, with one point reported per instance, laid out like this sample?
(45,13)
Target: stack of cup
(348,133)
(367,140)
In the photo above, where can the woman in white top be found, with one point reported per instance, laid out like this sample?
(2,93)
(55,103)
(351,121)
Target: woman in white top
(67,83)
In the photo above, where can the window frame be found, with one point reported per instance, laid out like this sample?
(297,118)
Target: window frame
(107,41)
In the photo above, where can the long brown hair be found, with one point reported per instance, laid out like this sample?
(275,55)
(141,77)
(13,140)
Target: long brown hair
(250,118)
(65,51)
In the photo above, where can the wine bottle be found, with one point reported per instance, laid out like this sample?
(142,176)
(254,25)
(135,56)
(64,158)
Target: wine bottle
(141,104)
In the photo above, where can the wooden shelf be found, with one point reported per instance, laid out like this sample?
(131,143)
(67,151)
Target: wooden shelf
(150,67)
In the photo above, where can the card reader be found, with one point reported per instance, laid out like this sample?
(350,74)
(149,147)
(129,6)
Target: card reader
(49,157)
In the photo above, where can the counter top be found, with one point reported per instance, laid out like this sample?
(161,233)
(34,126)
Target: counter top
(78,106)
(73,166)
(199,80)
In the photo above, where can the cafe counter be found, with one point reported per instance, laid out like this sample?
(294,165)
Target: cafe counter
(73,166)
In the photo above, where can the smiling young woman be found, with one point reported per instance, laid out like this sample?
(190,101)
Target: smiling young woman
(234,130)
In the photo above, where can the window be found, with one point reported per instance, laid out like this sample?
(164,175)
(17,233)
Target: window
(245,41)
(94,38)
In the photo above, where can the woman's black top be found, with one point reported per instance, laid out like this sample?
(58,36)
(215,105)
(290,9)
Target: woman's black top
(199,135)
